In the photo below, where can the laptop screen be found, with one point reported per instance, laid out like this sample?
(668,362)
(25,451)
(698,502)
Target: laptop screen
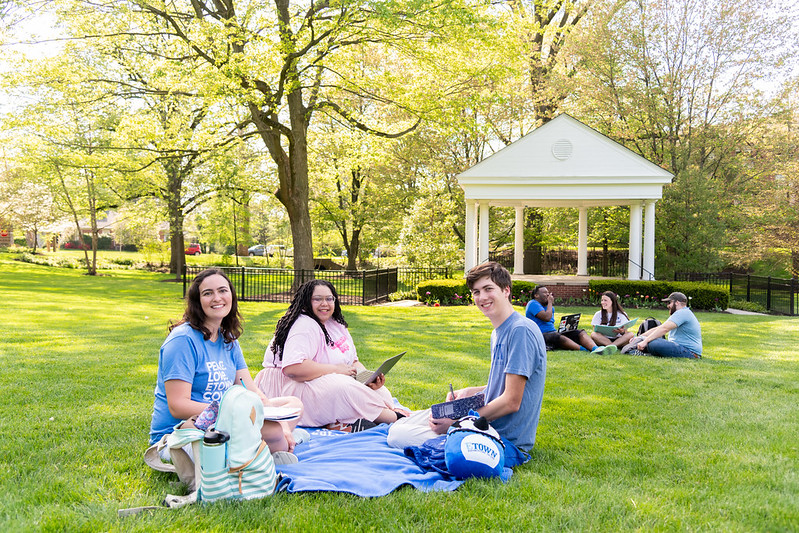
(569,322)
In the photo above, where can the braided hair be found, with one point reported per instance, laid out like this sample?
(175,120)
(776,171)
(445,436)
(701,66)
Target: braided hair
(301,305)
(615,307)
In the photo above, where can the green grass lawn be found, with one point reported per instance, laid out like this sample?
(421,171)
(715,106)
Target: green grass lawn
(624,443)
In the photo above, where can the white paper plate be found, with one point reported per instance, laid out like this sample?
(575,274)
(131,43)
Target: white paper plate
(281,413)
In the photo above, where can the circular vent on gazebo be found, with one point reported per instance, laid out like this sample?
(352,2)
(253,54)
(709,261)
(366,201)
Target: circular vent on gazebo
(562,149)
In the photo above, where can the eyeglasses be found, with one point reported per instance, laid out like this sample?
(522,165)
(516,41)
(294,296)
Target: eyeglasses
(320,299)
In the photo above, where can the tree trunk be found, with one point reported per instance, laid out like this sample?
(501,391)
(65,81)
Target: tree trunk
(94,242)
(74,215)
(177,252)
(353,249)
(300,222)
(243,225)
(292,169)
(176,242)
(92,201)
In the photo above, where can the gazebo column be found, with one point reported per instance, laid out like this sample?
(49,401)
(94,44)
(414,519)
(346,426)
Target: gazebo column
(634,262)
(483,234)
(582,243)
(470,248)
(518,245)
(649,240)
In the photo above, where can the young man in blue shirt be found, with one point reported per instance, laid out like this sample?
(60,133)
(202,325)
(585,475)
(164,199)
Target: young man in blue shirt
(541,311)
(515,386)
(685,333)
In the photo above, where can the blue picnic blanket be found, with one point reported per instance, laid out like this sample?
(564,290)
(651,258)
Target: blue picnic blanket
(360,463)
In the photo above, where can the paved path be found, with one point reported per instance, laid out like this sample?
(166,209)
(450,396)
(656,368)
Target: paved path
(402,303)
(742,312)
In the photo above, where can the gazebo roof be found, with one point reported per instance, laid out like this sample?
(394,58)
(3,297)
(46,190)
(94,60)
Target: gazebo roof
(564,163)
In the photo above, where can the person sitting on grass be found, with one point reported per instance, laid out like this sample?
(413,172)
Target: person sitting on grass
(312,356)
(611,314)
(685,333)
(541,311)
(201,358)
(515,386)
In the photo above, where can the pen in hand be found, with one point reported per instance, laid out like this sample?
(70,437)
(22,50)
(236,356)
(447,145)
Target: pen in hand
(451,392)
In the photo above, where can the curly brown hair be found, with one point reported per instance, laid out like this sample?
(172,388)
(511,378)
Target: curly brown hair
(232,325)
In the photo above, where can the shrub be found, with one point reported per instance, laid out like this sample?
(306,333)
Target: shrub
(649,293)
(754,307)
(521,292)
(402,295)
(226,260)
(456,292)
(156,253)
(53,261)
(105,242)
(444,292)
(75,245)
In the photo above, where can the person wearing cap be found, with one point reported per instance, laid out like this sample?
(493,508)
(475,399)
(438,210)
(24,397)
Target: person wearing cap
(685,333)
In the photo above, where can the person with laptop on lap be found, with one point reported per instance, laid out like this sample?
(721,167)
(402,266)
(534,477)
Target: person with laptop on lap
(685,333)
(515,386)
(542,311)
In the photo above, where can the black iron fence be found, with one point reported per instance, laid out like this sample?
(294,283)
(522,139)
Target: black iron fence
(564,261)
(408,277)
(354,287)
(714,278)
(778,295)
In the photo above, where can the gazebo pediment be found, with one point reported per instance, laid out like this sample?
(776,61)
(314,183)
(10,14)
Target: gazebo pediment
(564,163)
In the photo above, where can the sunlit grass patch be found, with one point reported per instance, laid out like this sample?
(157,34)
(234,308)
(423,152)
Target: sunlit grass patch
(624,443)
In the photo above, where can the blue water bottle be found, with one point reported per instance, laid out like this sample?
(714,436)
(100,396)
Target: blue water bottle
(213,453)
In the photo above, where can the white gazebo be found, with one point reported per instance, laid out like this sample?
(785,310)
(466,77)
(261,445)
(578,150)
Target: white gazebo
(564,163)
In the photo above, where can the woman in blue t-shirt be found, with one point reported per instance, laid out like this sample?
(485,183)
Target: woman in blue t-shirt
(201,358)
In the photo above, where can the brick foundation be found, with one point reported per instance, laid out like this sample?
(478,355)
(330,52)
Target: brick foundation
(563,291)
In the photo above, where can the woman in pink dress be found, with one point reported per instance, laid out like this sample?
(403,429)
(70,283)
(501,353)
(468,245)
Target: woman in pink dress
(312,357)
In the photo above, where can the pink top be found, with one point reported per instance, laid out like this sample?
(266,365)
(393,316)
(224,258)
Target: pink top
(307,341)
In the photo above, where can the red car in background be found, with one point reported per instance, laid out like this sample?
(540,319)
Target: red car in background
(193,249)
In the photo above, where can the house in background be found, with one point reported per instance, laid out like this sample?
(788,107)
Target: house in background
(6,233)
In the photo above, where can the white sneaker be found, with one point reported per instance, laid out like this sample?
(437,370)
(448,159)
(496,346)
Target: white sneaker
(300,435)
(284,458)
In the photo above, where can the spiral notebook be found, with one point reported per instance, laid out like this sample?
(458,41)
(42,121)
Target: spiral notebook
(459,408)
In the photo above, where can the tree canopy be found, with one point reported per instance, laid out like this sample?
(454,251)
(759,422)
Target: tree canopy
(356,116)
